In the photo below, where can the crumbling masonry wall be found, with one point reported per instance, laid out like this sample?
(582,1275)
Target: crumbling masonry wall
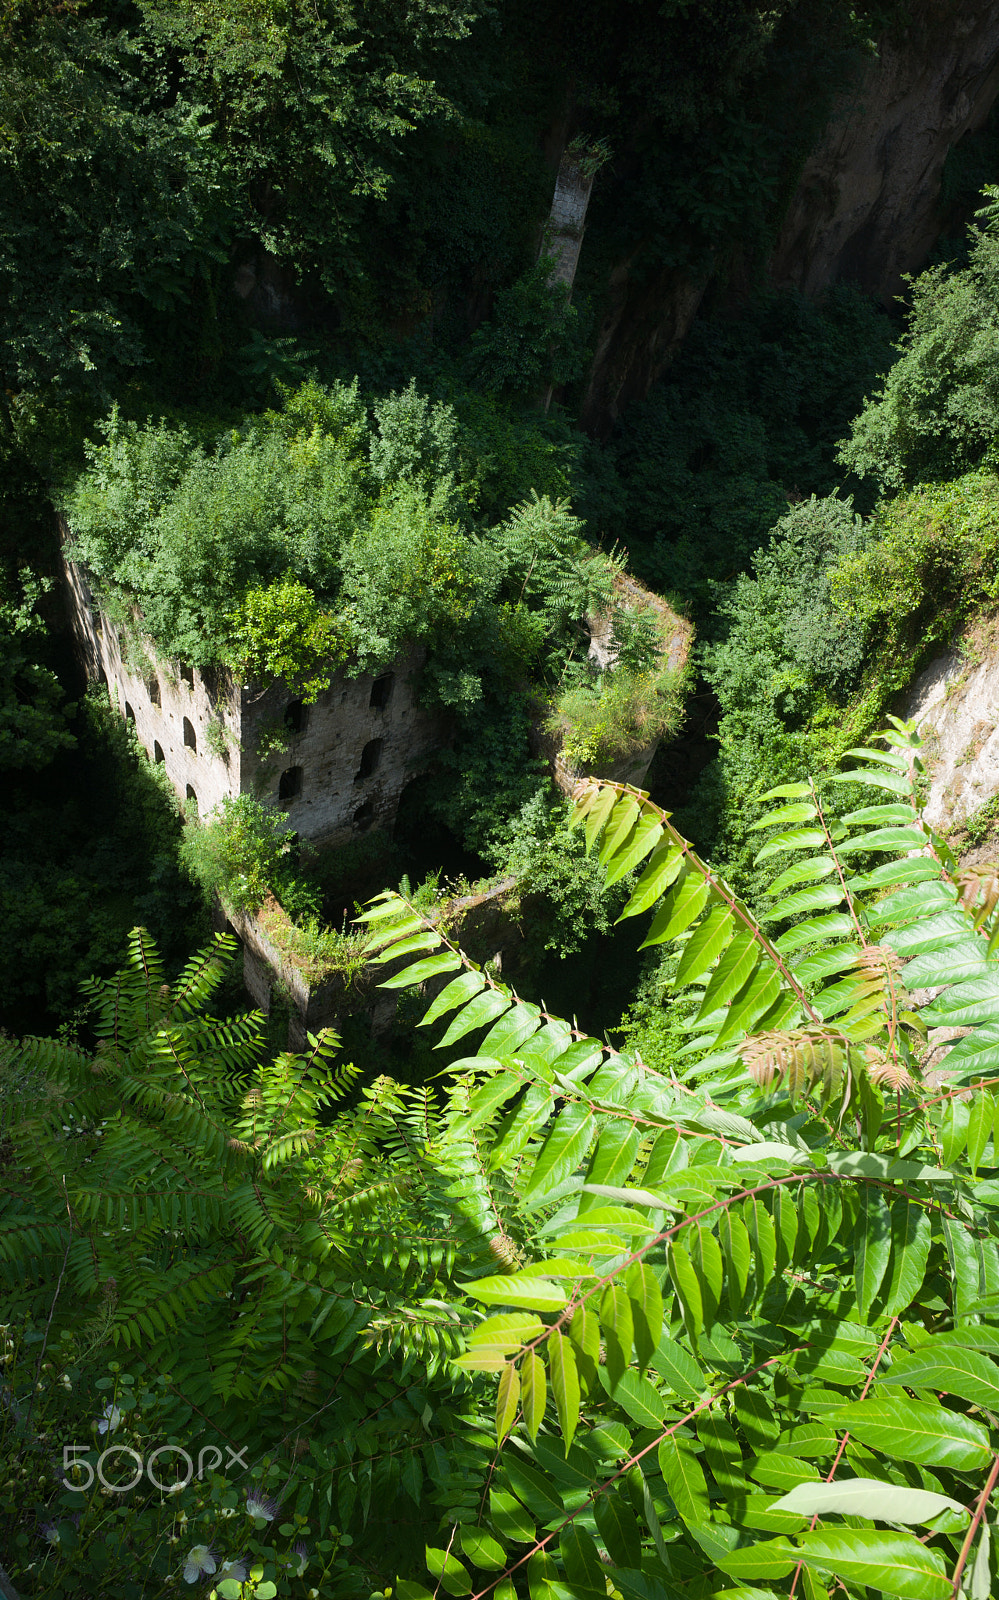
(336,768)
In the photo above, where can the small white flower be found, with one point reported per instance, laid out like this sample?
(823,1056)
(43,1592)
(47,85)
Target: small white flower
(66,1381)
(260,1505)
(111,1417)
(237,1571)
(200,1563)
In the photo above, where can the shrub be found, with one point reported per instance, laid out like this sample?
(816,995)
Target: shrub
(624,712)
(934,558)
(238,852)
(937,415)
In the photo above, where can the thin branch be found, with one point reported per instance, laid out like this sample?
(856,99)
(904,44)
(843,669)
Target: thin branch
(983,1500)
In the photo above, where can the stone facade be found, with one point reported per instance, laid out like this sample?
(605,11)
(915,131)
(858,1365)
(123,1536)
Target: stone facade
(336,768)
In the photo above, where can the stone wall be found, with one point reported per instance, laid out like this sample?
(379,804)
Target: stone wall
(336,768)
(481,923)
(955,705)
(187,722)
(349,757)
(867,205)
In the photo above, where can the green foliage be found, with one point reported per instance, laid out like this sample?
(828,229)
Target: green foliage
(33,712)
(782,674)
(713,1311)
(746,419)
(90,848)
(559,888)
(550,565)
(932,561)
(245,1236)
(626,711)
(740,1272)
(281,632)
(238,852)
(533,339)
(935,417)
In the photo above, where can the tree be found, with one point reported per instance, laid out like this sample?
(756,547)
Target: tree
(714,1312)
(936,416)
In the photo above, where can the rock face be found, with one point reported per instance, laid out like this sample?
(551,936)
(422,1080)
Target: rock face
(956,708)
(866,205)
(336,768)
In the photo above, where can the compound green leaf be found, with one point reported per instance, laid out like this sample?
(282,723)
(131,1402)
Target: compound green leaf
(450,1573)
(534,1391)
(482,1008)
(797,839)
(915,1430)
(507,1401)
(422,970)
(677,1367)
(733,971)
(617,1323)
(684,1478)
(510,1519)
(873,1248)
(454,994)
(565,1383)
(911,1232)
(704,946)
(663,869)
(893,1563)
(965,1373)
(867,1497)
(647,1311)
(518,1289)
(618,1528)
(685,903)
(646,833)
(482,1549)
(583,1569)
(785,814)
(820,898)
(562,1151)
(620,823)
(775,1558)
(637,1396)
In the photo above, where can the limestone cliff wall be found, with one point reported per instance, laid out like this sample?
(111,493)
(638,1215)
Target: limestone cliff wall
(866,208)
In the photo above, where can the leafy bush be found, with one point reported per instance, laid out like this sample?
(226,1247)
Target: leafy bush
(937,415)
(239,851)
(624,712)
(782,674)
(932,560)
(282,632)
(747,417)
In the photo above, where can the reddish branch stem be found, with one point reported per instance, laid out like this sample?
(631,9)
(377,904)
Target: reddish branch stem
(983,1500)
(631,1462)
(830,1475)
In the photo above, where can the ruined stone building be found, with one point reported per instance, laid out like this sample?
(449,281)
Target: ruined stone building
(336,768)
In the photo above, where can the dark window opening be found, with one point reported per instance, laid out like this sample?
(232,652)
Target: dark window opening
(364,816)
(290,784)
(192,797)
(187,673)
(153,685)
(381,689)
(158,755)
(104,678)
(371,755)
(190,737)
(295,717)
(129,713)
